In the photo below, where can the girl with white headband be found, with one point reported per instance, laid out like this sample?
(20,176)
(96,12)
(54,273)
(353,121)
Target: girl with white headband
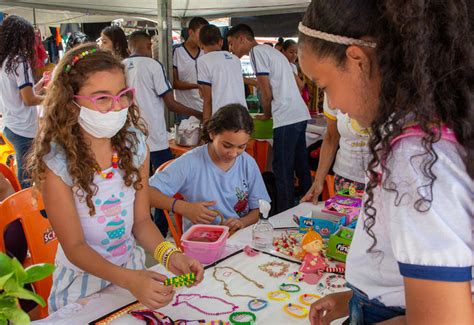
(405,69)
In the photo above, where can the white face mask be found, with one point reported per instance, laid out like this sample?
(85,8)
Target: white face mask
(102,125)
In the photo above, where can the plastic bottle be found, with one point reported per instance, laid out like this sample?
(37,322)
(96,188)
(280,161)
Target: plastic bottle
(262,232)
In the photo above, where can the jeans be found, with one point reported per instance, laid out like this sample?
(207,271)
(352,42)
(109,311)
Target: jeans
(365,311)
(290,157)
(157,158)
(22,145)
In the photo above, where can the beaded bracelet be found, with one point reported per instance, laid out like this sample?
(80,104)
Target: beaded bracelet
(163,252)
(330,283)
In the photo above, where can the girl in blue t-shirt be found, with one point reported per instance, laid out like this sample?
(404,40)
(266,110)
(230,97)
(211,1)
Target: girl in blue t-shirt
(404,69)
(91,163)
(218,179)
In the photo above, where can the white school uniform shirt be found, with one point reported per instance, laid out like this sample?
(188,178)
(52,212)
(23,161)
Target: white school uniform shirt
(288,106)
(185,63)
(17,116)
(223,72)
(109,231)
(433,245)
(353,154)
(148,78)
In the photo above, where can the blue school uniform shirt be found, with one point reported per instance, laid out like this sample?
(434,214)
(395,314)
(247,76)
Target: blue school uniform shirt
(196,177)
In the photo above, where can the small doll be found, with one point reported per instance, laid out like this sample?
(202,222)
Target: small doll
(313,260)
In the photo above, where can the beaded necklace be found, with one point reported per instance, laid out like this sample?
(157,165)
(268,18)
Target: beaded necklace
(226,288)
(109,175)
(189,296)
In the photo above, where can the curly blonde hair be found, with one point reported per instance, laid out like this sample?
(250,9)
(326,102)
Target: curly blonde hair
(59,125)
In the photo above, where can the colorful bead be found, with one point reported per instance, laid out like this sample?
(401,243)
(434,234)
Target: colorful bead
(181,280)
(77,58)
(115,166)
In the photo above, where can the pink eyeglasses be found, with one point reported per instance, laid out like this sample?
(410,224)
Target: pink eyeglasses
(104,103)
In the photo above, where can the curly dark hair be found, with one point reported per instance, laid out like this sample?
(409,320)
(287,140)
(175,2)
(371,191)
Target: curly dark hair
(119,40)
(17,42)
(60,125)
(424,52)
(231,117)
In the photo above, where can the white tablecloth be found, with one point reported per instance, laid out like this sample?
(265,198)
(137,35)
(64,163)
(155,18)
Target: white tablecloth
(114,297)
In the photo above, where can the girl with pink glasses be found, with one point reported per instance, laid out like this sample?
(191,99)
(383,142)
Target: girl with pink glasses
(90,162)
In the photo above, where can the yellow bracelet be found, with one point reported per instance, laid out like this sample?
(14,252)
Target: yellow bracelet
(161,249)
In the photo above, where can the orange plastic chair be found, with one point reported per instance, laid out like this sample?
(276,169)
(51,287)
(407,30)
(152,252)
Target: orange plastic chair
(328,189)
(177,231)
(7,153)
(42,242)
(11,176)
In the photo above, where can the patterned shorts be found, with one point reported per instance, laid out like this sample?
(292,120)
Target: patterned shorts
(344,185)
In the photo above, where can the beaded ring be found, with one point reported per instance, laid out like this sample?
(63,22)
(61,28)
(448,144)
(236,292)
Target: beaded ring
(289,287)
(279,295)
(330,283)
(257,304)
(308,298)
(242,318)
(296,310)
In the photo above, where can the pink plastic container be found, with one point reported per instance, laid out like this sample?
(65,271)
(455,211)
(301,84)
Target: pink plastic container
(206,243)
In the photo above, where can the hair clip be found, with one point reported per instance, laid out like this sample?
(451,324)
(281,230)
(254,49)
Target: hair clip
(77,58)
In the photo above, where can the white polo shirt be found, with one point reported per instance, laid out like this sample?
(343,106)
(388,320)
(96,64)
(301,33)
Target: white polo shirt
(185,63)
(17,116)
(223,72)
(431,244)
(288,106)
(148,78)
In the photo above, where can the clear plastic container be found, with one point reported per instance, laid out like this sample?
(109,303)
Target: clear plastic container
(262,234)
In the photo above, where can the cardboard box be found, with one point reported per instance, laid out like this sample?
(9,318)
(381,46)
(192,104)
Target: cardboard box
(339,244)
(324,224)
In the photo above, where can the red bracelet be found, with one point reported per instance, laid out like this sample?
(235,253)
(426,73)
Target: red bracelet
(172,205)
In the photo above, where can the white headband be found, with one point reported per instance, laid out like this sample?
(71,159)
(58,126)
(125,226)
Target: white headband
(334,38)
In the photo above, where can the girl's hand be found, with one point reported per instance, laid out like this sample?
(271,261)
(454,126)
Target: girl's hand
(329,308)
(313,194)
(148,288)
(234,224)
(39,87)
(181,264)
(198,212)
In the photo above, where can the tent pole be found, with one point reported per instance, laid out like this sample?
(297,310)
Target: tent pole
(165,28)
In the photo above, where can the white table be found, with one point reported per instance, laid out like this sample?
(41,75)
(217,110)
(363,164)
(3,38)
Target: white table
(114,297)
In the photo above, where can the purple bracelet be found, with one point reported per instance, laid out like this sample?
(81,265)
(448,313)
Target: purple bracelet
(172,205)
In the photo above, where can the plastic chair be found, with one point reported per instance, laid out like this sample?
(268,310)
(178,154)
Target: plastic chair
(328,189)
(41,239)
(7,153)
(11,176)
(177,231)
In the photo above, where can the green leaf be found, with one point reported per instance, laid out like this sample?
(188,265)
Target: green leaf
(11,285)
(22,293)
(20,272)
(38,272)
(15,315)
(4,279)
(5,264)
(8,302)
(3,321)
